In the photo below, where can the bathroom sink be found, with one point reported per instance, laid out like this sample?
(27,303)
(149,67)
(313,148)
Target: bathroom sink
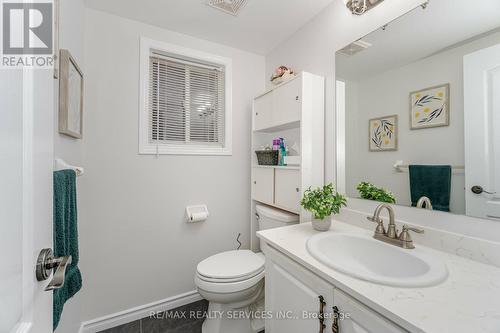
(368,259)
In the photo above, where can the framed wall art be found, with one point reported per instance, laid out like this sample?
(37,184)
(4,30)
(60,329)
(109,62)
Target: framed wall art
(383,133)
(70,96)
(430,107)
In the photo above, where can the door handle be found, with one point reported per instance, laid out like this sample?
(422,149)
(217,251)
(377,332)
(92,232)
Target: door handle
(476,189)
(46,263)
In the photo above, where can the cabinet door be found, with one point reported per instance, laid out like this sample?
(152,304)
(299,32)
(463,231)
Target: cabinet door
(293,297)
(263,111)
(263,185)
(287,189)
(357,318)
(287,102)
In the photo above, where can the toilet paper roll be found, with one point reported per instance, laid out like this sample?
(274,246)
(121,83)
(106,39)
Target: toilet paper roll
(198,217)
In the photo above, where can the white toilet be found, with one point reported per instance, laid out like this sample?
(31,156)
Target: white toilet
(233,281)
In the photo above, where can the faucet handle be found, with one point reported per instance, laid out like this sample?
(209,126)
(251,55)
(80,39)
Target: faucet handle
(405,238)
(405,235)
(380,230)
(407,228)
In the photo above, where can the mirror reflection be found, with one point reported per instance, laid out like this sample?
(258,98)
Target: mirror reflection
(418,102)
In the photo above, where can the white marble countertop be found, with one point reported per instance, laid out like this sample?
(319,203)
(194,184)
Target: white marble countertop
(468,301)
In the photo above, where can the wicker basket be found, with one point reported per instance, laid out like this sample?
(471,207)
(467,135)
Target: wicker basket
(267,157)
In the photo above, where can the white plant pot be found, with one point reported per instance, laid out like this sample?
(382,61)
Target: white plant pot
(322,225)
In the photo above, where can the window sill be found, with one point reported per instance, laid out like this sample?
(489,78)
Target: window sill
(183,150)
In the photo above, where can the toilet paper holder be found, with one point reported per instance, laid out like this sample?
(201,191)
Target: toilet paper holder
(197,213)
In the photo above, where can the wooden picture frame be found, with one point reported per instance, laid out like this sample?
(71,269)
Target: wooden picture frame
(70,96)
(383,134)
(430,107)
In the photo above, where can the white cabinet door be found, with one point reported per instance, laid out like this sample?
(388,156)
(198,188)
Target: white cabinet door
(293,297)
(357,318)
(263,111)
(263,185)
(287,102)
(287,189)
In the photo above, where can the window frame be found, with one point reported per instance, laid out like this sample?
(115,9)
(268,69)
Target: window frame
(149,148)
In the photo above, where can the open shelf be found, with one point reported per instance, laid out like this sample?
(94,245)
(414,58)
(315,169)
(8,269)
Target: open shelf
(276,206)
(289,167)
(280,127)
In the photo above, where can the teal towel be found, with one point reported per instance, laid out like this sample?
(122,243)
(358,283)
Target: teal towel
(65,237)
(432,181)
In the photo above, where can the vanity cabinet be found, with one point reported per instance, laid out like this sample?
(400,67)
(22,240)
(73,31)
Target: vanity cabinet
(294,290)
(361,319)
(295,298)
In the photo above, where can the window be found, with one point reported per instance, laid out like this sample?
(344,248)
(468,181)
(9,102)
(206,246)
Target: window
(185,101)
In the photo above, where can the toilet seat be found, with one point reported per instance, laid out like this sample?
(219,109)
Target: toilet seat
(230,271)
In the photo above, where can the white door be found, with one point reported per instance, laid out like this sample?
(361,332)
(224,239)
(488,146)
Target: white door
(354,317)
(287,103)
(263,111)
(26,163)
(287,189)
(263,184)
(295,297)
(482,132)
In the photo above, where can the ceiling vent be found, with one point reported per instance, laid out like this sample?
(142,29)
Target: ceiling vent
(354,48)
(232,7)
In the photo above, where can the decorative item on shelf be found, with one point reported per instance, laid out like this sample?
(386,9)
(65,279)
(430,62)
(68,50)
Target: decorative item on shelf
(70,96)
(282,74)
(371,192)
(267,156)
(430,107)
(323,202)
(383,133)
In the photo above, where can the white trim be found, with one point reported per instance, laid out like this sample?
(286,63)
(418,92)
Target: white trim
(145,147)
(142,311)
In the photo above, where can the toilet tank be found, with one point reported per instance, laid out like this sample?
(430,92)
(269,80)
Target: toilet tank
(269,217)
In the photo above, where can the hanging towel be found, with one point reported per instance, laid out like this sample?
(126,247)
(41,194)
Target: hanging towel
(432,181)
(65,237)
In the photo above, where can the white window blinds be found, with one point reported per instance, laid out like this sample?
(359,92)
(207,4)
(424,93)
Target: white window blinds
(186,102)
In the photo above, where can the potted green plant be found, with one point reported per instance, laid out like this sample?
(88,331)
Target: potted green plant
(371,192)
(322,202)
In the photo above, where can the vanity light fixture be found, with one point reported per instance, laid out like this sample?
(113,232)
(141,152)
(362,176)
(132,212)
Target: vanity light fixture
(232,7)
(359,7)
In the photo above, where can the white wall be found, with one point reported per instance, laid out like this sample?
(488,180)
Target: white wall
(135,246)
(71,150)
(387,93)
(313,49)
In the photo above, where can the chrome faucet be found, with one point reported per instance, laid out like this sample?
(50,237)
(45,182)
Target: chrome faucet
(391,235)
(424,201)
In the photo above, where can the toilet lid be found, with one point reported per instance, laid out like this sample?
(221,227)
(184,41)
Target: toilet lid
(231,265)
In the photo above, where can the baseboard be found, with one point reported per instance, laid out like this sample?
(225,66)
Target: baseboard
(127,316)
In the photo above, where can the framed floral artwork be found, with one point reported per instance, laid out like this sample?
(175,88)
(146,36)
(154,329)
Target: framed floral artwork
(383,133)
(430,107)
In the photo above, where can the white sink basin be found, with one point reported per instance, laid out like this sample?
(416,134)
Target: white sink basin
(369,259)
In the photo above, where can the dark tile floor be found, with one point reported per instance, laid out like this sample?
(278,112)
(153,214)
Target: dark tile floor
(176,321)
(183,322)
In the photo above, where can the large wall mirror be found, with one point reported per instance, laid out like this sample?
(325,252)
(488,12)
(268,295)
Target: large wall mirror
(418,111)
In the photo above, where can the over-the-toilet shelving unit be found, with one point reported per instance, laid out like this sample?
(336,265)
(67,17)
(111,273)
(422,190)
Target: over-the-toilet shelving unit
(293,110)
